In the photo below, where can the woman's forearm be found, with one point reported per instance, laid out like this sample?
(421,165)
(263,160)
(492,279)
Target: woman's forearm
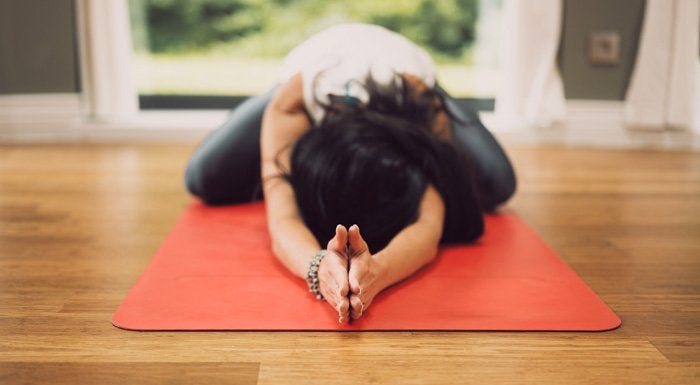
(293,244)
(284,121)
(416,245)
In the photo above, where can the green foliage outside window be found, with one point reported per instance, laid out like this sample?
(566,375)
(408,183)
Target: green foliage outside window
(270,28)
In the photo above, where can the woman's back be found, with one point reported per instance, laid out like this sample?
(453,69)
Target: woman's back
(337,61)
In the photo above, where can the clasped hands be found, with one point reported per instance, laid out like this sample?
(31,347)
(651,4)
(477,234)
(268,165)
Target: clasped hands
(362,281)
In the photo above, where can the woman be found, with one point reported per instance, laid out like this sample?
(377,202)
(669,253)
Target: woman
(360,151)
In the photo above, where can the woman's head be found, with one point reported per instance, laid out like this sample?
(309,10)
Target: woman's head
(353,173)
(370,166)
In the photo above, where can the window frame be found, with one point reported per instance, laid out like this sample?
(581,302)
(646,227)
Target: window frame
(109,94)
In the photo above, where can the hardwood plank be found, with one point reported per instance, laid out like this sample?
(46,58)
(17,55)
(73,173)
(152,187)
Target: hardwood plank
(440,371)
(118,373)
(679,348)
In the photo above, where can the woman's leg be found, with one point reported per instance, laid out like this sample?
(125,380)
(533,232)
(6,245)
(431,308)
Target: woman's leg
(225,169)
(494,173)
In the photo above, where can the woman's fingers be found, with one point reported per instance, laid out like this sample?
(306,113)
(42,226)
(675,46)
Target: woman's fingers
(339,269)
(343,308)
(333,283)
(360,290)
(339,241)
(358,305)
(354,276)
(339,303)
(338,272)
(364,274)
(355,240)
(359,255)
(360,281)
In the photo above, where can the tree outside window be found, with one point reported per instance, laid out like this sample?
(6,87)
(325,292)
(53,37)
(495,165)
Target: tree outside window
(234,47)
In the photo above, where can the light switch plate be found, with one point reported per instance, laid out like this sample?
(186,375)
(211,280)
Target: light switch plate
(604,48)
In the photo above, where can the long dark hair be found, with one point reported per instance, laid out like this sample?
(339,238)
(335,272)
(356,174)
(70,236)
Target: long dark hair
(371,164)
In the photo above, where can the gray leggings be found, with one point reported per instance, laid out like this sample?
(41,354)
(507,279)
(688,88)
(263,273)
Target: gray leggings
(225,169)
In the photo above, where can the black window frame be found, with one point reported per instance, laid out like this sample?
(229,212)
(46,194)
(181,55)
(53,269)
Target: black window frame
(217,102)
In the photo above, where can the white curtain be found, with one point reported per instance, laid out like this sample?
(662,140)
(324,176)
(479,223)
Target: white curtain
(696,119)
(108,82)
(531,89)
(663,87)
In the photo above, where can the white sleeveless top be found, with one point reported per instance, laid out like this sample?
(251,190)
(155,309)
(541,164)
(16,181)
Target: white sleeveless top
(337,61)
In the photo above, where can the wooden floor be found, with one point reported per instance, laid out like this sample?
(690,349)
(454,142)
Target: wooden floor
(78,224)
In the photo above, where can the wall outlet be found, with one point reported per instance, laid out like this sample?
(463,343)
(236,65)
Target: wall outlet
(604,48)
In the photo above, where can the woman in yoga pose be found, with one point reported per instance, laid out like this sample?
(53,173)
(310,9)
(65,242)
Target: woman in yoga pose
(365,163)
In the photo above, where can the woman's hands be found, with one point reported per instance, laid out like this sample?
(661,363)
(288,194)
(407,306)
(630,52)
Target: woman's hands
(362,281)
(333,274)
(364,276)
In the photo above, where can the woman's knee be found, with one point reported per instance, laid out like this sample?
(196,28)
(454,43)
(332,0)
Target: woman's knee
(200,183)
(499,186)
(221,187)
(506,185)
(194,178)
(205,188)
(225,167)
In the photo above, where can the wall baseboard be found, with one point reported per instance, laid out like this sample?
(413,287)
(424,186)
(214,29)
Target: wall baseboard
(59,118)
(16,111)
(595,123)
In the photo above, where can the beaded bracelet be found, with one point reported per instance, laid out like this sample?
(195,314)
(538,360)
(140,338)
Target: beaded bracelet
(312,274)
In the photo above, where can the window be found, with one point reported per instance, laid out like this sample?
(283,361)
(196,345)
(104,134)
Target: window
(209,53)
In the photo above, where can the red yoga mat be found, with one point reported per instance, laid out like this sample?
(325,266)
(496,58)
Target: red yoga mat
(215,271)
